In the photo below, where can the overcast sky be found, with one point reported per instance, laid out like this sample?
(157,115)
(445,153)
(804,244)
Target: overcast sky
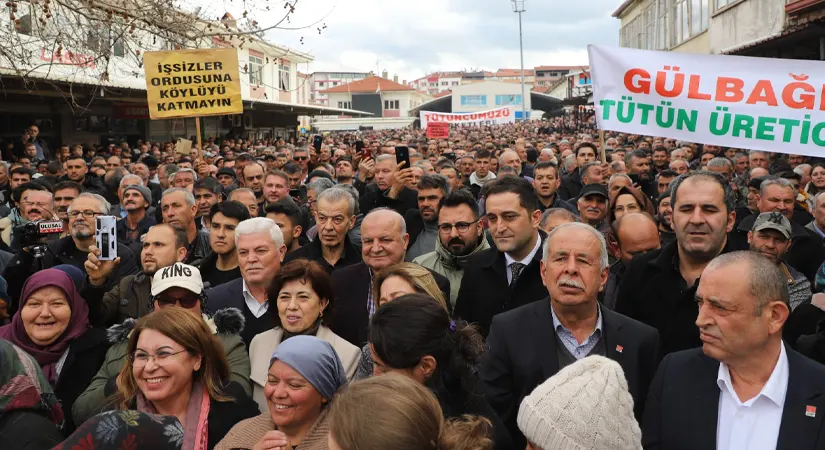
(415,37)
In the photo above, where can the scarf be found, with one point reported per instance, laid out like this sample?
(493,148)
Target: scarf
(311,331)
(23,386)
(48,355)
(474,179)
(195,431)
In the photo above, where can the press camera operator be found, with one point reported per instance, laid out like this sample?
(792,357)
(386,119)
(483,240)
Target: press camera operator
(41,251)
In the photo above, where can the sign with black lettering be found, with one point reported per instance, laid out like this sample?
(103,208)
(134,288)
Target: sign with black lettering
(191,83)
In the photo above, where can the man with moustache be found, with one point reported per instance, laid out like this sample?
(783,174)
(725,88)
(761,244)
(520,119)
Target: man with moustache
(135,200)
(592,205)
(460,236)
(664,219)
(422,222)
(531,343)
(221,265)
(207,194)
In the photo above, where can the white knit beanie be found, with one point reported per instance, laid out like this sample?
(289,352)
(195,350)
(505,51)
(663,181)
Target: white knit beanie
(585,406)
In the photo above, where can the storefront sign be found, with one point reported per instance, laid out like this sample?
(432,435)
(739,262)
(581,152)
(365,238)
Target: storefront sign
(438,130)
(496,116)
(190,83)
(732,101)
(131,111)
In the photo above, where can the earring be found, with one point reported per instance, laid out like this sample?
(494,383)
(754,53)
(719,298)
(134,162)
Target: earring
(322,313)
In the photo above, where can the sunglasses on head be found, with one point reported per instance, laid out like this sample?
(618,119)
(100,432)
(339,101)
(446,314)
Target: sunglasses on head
(188,301)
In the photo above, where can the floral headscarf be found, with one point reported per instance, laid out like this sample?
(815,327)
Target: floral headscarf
(126,430)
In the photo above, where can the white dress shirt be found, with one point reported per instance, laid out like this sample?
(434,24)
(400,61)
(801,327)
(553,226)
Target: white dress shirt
(526,261)
(754,424)
(256,308)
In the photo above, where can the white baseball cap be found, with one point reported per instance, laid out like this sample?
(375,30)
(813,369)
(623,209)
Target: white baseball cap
(177,275)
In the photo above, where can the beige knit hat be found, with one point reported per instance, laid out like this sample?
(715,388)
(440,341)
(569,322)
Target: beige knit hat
(585,406)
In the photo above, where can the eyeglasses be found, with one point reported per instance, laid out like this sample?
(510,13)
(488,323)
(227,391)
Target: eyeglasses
(300,158)
(140,359)
(187,302)
(462,227)
(90,214)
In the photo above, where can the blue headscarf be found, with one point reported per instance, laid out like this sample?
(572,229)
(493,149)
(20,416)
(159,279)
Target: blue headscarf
(315,360)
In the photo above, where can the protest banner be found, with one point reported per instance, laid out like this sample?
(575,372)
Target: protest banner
(731,101)
(438,130)
(496,116)
(192,83)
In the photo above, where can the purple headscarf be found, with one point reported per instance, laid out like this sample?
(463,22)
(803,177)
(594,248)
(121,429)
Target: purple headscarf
(48,355)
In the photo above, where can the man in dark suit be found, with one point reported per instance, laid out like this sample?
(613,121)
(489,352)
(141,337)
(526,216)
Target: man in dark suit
(506,277)
(384,241)
(531,343)
(390,189)
(744,389)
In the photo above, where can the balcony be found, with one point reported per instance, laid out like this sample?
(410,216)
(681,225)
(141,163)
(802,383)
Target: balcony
(795,7)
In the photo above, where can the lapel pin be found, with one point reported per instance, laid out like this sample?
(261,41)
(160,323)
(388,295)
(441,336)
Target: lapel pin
(619,349)
(810,411)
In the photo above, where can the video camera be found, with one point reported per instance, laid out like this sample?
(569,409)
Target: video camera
(37,234)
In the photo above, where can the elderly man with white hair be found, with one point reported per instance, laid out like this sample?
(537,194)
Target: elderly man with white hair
(531,343)
(261,249)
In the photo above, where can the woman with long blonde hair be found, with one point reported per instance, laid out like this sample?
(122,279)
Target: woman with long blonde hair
(176,367)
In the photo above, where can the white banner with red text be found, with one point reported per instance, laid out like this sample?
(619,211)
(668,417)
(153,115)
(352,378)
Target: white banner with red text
(498,116)
(776,105)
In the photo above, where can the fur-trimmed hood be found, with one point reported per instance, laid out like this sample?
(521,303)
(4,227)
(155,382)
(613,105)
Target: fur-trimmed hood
(223,321)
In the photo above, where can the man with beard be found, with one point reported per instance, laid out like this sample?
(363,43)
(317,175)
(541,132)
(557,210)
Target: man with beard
(422,222)
(72,250)
(663,180)
(638,165)
(546,182)
(135,199)
(459,237)
(221,266)
(344,172)
(806,252)
(334,213)
(771,237)
(571,184)
(593,205)
(178,209)
(276,187)
(64,194)
(664,219)
(78,171)
(658,287)
(162,246)
(508,276)
(207,195)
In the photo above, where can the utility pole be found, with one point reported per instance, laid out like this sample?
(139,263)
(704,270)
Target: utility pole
(518,7)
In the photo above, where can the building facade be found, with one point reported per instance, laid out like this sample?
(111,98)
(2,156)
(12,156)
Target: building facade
(321,81)
(767,28)
(485,95)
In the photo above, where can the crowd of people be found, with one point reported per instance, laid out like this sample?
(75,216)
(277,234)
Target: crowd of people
(527,285)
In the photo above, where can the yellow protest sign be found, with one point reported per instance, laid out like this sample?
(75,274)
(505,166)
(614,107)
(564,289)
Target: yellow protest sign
(190,83)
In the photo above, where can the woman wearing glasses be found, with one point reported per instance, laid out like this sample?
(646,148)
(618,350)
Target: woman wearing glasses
(176,367)
(393,282)
(178,287)
(52,325)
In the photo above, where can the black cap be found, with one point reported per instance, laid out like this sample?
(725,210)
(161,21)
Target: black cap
(226,171)
(594,189)
(151,162)
(756,183)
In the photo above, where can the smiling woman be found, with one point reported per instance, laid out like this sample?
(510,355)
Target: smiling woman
(52,325)
(177,367)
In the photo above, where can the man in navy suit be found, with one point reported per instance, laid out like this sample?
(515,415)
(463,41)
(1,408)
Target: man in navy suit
(531,343)
(744,389)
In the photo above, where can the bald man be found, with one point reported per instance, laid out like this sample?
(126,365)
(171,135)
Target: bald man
(384,241)
(635,234)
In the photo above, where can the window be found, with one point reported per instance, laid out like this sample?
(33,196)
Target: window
(391,104)
(345,105)
(283,75)
(505,100)
(321,84)
(445,83)
(690,17)
(722,3)
(455,83)
(256,68)
(642,32)
(432,84)
(473,100)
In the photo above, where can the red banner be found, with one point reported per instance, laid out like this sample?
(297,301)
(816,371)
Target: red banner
(438,130)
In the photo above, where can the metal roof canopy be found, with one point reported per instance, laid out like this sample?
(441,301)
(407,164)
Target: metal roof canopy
(538,101)
(303,110)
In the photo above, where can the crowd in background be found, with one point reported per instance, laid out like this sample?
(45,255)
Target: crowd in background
(524,285)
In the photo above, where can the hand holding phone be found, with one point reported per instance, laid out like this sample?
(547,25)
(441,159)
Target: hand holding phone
(106,238)
(402,154)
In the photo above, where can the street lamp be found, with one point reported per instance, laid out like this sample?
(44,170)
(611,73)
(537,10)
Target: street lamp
(518,7)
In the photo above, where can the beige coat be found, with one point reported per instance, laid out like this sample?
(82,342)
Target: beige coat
(264,344)
(249,432)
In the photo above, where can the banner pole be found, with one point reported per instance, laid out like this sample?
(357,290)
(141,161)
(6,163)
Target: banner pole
(601,143)
(198,131)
